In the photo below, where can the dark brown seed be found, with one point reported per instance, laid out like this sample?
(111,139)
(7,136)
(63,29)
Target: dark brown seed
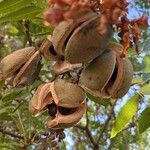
(66,111)
(52,109)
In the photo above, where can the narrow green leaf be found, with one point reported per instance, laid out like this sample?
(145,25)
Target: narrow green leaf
(24,13)
(144,121)
(146,47)
(103,101)
(8,6)
(137,80)
(146,68)
(145,89)
(125,115)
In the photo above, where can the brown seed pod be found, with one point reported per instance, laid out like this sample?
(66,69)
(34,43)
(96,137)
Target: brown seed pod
(67,94)
(65,103)
(108,75)
(65,28)
(121,79)
(29,72)
(40,99)
(48,51)
(80,41)
(63,66)
(67,120)
(97,73)
(86,43)
(17,59)
(24,69)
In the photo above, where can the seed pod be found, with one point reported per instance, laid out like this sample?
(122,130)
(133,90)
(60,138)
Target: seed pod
(86,43)
(121,79)
(80,41)
(68,120)
(65,28)
(24,69)
(40,100)
(48,50)
(65,103)
(29,72)
(67,94)
(63,66)
(96,74)
(17,59)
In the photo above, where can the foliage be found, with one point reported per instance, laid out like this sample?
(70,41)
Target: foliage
(109,124)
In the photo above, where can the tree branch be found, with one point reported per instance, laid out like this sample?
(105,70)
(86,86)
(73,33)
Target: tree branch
(86,129)
(27,31)
(11,134)
(106,122)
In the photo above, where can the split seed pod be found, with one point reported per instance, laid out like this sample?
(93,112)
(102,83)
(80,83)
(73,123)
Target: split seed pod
(47,50)
(65,102)
(121,79)
(108,75)
(96,74)
(82,42)
(24,67)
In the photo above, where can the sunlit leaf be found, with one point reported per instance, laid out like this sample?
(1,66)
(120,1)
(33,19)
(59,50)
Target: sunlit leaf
(125,115)
(145,89)
(146,47)
(24,13)
(8,6)
(144,120)
(137,80)
(146,68)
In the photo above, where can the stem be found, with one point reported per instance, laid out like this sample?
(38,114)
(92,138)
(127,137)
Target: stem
(22,126)
(27,31)
(106,123)
(11,134)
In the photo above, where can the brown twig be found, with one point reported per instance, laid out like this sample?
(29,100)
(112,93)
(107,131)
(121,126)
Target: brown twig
(86,129)
(106,122)
(11,134)
(27,31)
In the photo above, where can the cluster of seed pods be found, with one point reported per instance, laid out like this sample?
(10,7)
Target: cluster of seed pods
(74,44)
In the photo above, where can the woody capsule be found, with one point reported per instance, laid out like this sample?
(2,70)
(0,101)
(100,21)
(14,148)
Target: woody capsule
(21,67)
(64,101)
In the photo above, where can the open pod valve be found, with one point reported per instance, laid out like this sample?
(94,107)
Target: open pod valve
(21,67)
(108,75)
(64,101)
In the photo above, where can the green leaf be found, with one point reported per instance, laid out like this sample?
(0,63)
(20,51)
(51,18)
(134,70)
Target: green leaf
(24,13)
(137,80)
(5,116)
(146,68)
(15,94)
(144,121)
(146,47)
(103,101)
(8,6)
(145,89)
(125,115)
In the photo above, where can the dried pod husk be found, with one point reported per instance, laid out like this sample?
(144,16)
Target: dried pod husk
(48,50)
(14,61)
(67,94)
(24,69)
(65,28)
(65,121)
(40,99)
(121,79)
(86,42)
(97,73)
(65,103)
(29,72)
(63,66)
